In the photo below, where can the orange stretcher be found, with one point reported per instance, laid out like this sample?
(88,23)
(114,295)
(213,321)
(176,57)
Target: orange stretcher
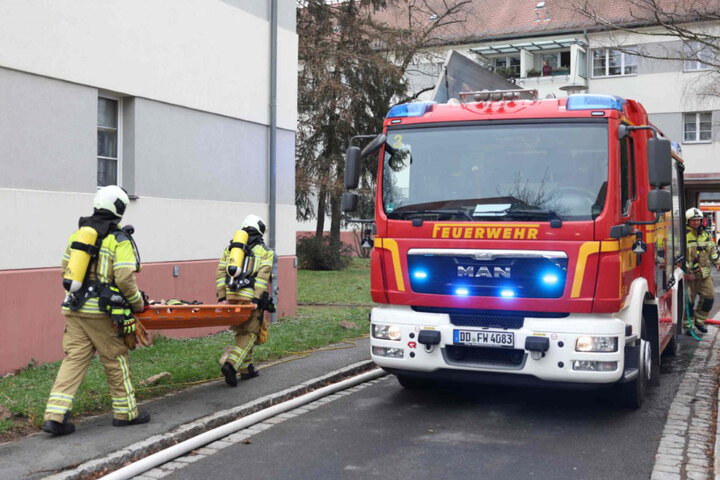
(192,316)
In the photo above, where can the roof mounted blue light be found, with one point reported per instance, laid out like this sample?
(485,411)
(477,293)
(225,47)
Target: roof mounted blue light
(416,109)
(584,101)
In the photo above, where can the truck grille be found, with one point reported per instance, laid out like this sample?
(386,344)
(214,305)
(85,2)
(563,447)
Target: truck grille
(470,320)
(488,273)
(484,357)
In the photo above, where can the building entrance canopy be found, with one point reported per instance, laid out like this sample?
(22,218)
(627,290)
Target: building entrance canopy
(529,46)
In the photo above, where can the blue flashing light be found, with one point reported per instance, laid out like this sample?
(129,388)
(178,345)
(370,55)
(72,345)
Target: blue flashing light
(584,101)
(462,292)
(420,274)
(415,109)
(507,293)
(550,279)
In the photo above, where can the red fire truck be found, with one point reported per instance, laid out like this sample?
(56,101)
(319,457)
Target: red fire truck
(525,241)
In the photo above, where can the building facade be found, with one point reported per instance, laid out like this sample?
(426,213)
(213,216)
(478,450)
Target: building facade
(550,47)
(170,99)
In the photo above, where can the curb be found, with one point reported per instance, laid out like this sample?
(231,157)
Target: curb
(156,443)
(686,444)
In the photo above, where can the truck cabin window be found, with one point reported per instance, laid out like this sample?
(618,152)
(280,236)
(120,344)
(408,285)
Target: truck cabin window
(499,172)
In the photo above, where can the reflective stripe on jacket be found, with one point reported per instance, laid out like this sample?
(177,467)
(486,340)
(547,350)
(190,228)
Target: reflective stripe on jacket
(115,264)
(262,261)
(701,247)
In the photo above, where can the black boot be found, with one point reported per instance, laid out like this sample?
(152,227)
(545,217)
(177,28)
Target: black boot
(57,428)
(252,372)
(230,374)
(701,328)
(143,417)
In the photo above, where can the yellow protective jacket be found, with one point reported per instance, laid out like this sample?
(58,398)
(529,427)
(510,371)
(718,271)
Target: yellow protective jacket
(115,264)
(262,261)
(701,252)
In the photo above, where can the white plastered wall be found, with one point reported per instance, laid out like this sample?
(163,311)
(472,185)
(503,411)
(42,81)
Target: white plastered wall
(162,230)
(210,56)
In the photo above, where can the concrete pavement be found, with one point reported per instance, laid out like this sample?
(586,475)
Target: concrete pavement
(96,445)
(688,448)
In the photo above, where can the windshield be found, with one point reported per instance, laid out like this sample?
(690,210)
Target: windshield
(539,171)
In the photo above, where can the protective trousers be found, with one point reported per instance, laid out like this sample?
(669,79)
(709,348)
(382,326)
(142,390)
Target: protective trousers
(241,354)
(85,334)
(704,288)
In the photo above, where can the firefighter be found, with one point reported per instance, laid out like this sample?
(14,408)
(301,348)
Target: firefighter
(244,284)
(701,255)
(109,264)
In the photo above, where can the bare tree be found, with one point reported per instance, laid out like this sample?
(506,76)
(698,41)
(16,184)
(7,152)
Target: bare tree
(694,22)
(353,57)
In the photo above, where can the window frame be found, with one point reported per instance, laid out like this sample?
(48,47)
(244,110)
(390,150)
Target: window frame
(628,145)
(119,133)
(508,63)
(697,139)
(623,63)
(692,52)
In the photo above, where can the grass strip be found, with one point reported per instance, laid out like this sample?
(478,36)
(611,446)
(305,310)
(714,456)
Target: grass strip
(195,360)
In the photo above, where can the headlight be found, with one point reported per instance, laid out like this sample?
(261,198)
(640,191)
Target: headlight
(386,332)
(596,344)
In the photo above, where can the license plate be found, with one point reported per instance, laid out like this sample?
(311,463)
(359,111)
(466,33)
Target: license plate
(484,338)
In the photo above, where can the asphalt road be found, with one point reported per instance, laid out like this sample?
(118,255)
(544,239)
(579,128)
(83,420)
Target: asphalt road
(489,432)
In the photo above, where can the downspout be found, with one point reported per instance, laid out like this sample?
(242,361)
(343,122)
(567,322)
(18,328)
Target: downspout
(272,166)
(588,60)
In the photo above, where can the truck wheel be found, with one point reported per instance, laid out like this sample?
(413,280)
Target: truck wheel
(411,383)
(632,393)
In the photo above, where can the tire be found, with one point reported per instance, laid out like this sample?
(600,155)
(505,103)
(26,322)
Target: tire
(411,383)
(632,394)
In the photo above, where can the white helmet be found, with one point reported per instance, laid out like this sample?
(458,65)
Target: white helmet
(253,221)
(113,199)
(693,214)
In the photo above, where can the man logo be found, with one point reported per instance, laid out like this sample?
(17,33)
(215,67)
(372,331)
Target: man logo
(483,272)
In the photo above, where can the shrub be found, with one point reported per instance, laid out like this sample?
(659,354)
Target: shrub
(323,253)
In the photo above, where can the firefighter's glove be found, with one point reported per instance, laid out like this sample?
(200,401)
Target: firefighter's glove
(264,302)
(129,325)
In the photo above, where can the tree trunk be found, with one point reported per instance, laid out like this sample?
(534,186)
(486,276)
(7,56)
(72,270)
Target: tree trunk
(322,199)
(335,218)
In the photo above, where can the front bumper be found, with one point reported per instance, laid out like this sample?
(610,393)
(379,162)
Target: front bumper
(555,364)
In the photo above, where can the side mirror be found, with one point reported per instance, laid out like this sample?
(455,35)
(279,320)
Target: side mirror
(659,201)
(659,162)
(349,201)
(374,145)
(352,167)
(623,131)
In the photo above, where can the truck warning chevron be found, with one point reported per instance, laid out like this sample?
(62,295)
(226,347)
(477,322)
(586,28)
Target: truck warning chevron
(533,241)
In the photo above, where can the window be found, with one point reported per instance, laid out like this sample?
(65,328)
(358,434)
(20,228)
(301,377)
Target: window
(107,141)
(509,66)
(697,127)
(698,56)
(612,63)
(627,174)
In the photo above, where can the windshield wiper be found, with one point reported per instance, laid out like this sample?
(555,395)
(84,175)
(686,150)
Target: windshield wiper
(543,214)
(400,214)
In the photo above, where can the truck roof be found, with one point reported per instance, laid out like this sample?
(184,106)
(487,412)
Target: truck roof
(574,106)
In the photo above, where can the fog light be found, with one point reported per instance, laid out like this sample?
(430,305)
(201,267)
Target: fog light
(386,332)
(592,366)
(388,352)
(596,344)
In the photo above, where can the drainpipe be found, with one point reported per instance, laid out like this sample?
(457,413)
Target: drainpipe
(272,167)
